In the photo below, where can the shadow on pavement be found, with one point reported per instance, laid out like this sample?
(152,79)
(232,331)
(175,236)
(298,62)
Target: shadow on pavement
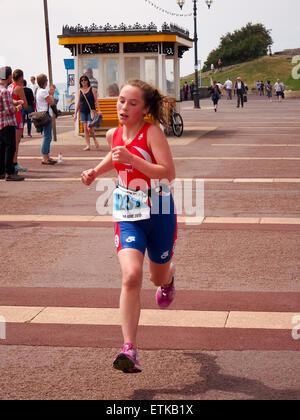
(210,379)
(21,225)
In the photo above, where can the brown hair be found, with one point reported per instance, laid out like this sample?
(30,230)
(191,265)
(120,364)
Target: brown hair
(84,77)
(41,80)
(17,74)
(153,99)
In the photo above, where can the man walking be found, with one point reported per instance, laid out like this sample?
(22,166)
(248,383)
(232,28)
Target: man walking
(228,89)
(240,92)
(7,128)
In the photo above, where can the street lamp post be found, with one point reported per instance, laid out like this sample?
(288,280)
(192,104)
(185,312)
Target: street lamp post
(196,93)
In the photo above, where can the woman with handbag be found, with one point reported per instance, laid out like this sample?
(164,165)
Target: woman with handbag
(44,101)
(86,105)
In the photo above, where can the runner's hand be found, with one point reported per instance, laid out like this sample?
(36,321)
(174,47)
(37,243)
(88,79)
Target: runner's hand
(121,154)
(89,176)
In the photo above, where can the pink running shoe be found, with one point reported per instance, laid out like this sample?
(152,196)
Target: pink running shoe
(127,361)
(166,295)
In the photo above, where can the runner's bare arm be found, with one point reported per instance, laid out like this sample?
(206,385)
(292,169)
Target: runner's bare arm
(106,165)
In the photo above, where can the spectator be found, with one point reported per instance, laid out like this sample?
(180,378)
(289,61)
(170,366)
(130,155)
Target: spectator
(56,96)
(8,124)
(269,90)
(86,105)
(258,86)
(228,88)
(29,109)
(220,65)
(192,89)
(44,102)
(215,92)
(240,91)
(113,90)
(279,90)
(212,68)
(93,81)
(33,85)
(16,89)
(220,86)
(186,91)
(261,88)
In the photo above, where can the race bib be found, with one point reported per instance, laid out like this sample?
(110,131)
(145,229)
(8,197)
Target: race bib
(130,206)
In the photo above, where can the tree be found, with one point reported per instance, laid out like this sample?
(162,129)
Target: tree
(248,43)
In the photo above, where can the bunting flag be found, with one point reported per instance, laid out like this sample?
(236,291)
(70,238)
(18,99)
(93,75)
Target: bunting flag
(160,9)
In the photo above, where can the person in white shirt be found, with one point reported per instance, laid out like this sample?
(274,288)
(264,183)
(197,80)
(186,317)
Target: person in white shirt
(228,88)
(44,101)
(279,90)
(33,85)
(220,86)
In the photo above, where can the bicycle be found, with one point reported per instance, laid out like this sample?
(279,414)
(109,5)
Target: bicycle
(176,123)
(173,120)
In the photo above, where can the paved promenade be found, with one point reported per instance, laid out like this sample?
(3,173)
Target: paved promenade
(233,331)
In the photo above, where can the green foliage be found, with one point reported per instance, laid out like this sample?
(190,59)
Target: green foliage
(245,44)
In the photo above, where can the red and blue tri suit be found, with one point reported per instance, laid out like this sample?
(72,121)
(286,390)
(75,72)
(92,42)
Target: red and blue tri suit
(11,88)
(157,234)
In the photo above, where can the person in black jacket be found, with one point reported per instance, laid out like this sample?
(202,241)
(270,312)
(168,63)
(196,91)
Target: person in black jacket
(29,109)
(240,90)
(215,93)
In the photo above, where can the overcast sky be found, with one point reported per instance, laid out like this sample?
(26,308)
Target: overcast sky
(22,33)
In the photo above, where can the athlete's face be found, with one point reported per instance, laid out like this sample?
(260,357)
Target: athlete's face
(131,105)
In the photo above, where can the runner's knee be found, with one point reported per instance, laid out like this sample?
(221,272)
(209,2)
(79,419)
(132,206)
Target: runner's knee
(132,279)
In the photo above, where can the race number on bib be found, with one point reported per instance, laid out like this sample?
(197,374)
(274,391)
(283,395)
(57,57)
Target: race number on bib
(130,206)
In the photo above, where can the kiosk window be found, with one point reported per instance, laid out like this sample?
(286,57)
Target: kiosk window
(132,68)
(151,71)
(90,68)
(170,78)
(111,77)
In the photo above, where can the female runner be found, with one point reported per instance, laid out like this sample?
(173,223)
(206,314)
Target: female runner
(143,208)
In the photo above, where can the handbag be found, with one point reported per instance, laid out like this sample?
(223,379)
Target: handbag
(40,120)
(245,98)
(97,120)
